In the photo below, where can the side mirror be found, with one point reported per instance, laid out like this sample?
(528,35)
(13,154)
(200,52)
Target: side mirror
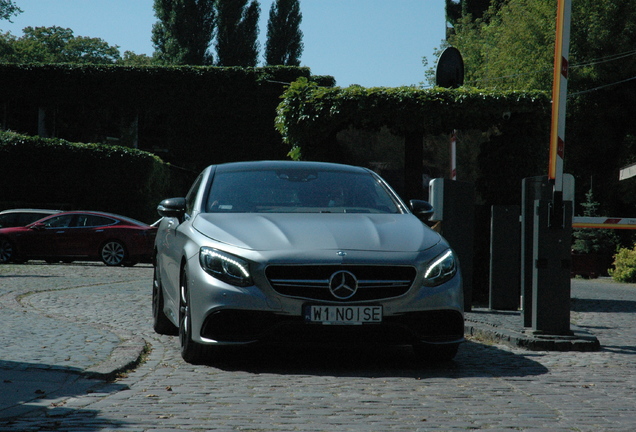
(422,209)
(38,226)
(172,207)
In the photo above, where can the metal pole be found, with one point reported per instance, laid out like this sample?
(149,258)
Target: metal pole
(559,94)
(453,156)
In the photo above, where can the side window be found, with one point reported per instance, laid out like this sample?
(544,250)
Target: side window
(192,195)
(24,219)
(94,221)
(5,220)
(63,221)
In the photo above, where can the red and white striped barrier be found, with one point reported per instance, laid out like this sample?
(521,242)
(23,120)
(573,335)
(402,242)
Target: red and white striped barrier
(603,222)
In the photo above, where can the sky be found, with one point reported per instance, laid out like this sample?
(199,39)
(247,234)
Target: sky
(372,43)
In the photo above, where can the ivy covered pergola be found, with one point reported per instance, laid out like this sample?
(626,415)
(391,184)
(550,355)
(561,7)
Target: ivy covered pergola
(310,117)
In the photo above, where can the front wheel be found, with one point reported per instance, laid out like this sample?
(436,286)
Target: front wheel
(7,252)
(191,351)
(113,253)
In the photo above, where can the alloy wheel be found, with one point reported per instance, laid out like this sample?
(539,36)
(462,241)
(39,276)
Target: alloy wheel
(6,251)
(113,253)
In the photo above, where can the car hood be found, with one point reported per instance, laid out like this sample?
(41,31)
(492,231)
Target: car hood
(318,231)
(13,230)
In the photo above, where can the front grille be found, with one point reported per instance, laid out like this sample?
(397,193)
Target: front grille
(312,282)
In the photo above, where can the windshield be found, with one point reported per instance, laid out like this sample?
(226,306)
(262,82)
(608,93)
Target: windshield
(299,190)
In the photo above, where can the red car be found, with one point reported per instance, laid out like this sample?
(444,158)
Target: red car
(80,236)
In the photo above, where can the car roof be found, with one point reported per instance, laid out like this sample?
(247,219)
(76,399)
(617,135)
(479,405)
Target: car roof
(106,214)
(286,164)
(30,210)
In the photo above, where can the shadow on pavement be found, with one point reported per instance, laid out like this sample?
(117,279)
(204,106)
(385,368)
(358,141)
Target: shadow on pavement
(602,305)
(29,387)
(472,360)
(620,349)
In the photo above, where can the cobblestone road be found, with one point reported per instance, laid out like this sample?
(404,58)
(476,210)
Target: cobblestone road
(71,317)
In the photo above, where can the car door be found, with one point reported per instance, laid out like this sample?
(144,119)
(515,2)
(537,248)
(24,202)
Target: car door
(170,247)
(47,239)
(85,236)
(170,242)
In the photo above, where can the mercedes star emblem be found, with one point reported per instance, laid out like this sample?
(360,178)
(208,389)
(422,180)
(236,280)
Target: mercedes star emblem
(343,284)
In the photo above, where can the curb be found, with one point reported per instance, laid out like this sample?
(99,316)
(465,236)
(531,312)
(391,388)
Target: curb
(487,325)
(125,357)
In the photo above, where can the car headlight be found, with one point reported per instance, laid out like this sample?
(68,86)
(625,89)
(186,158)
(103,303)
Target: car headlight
(440,270)
(225,267)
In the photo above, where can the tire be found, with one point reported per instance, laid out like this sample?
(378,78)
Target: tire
(7,251)
(191,352)
(161,323)
(113,253)
(432,353)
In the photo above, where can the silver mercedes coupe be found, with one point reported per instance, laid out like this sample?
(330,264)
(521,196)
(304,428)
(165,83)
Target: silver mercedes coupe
(302,252)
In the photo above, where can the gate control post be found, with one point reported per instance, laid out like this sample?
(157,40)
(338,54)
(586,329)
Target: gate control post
(535,188)
(454,205)
(505,258)
(552,243)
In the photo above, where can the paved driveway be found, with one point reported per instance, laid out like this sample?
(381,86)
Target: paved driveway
(61,320)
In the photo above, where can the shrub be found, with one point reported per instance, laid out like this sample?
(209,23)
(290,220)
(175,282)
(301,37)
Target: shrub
(624,265)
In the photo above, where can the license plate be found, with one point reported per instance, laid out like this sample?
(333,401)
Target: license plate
(343,315)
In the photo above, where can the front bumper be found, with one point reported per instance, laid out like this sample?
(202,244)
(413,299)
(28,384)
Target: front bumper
(223,314)
(230,326)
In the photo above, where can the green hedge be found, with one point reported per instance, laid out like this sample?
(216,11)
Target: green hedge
(192,116)
(56,173)
(310,113)
(144,86)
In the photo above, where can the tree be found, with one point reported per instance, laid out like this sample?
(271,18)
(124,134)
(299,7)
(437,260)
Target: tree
(512,47)
(131,59)
(7,48)
(8,9)
(82,49)
(284,37)
(237,33)
(55,45)
(592,240)
(184,31)
(456,10)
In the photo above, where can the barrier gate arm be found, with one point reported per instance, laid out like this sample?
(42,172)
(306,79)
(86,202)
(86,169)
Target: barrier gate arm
(603,222)
(559,96)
